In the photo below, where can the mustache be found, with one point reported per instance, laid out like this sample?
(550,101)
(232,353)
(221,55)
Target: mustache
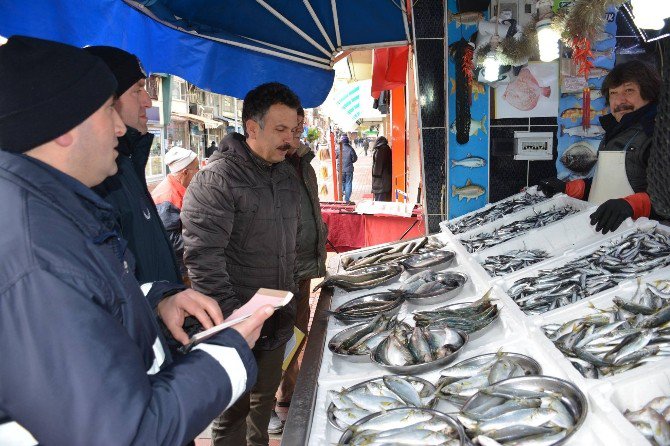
(285,147)
(623,107)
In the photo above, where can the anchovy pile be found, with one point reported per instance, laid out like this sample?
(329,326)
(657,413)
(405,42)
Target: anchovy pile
(468,317)
(430,283)
(653,420)
(369,306)
(495,212)
(416,345)
(514,415)
(459,382)
(513,261)
(406,426)
(639,252)
(363,338)
(368,277)
(381,394)
(395,252)
(516,228)
(625,336)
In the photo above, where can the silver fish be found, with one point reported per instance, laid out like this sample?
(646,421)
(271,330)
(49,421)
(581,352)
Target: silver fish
(469,191)
(594,131)
(475,126)
(469,161)
(368,277)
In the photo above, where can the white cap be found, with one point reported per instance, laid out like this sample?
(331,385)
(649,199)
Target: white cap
(178,158)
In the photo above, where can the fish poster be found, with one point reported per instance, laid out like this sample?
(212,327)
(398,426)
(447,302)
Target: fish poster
(534,92)
(577,145)
(467,165)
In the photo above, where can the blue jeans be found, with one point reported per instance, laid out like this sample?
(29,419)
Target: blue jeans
(347,182)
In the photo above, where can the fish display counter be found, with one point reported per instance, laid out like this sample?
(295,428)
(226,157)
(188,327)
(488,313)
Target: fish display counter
(533,339)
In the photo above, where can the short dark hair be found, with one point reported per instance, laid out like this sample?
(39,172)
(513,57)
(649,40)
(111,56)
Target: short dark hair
(259,100)
(301,112)
(643,74)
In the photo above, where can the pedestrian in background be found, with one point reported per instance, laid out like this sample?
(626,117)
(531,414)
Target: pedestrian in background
(169,196)
(210,150)
(310,260)
(381,170)
(348,158)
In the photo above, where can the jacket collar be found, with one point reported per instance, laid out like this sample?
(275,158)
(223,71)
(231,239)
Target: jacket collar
(236,143)
(133,141)
(72,197)
(645,116)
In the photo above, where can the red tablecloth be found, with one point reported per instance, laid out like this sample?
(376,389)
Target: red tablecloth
(347,231)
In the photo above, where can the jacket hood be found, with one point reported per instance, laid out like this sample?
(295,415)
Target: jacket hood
(381,141)
(231,143)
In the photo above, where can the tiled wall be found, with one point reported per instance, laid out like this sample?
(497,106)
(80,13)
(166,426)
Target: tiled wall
(507,176)
(430,54)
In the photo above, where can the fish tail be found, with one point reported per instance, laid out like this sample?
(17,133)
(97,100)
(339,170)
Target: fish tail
(483,124)
(453,163)
(546,91)
(561,129)
(453,193)
(450,16)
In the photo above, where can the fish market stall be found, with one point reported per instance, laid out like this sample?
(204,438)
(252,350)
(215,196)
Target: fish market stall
(543,335)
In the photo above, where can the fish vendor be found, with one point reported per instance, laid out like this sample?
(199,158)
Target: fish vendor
(619,184)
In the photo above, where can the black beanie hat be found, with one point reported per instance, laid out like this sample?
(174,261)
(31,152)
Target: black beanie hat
(126,67)
(47,89)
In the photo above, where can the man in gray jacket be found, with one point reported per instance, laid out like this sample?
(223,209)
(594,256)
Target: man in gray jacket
(241,216)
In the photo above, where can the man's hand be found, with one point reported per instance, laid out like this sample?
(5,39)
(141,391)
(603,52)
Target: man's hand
(250,329)
(174,309)
(609,215)
(551,186)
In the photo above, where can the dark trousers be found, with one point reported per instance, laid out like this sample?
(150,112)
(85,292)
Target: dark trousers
(246,421)
(384,196)
(287,385)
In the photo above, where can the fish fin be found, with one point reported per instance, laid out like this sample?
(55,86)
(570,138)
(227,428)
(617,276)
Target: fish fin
(468,182)
(453,193)
(453,85)
(483,123)
(546,91)
(453,163)
(450,16)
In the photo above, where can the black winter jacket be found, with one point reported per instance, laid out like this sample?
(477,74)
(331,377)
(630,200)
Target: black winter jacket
(240,217)
(83,361)
(381,168)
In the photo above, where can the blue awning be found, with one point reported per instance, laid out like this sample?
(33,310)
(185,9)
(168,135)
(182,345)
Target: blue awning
(227,47)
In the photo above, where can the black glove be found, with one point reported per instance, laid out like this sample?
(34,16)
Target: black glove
(551,186)
(609,215)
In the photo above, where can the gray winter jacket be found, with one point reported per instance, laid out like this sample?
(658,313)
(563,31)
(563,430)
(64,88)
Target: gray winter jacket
(241,218)
(312,242)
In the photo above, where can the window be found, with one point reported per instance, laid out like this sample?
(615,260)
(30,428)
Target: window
(152,86)
(179,89)
(228,106)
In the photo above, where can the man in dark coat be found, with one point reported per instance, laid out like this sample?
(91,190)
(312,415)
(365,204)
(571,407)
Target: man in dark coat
(127,192)
(347,158)
(381,170)
(83,359)
(210,150)
(241,216)
(619,184)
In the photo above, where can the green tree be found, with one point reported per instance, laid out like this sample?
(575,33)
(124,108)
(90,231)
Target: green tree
(313,134)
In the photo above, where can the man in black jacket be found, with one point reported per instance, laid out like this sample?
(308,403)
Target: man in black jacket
(381,170)
(127,192)
(241,216)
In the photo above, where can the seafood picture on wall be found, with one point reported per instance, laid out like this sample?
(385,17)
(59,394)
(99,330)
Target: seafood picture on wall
(578,140)
(469,191)
(534,92)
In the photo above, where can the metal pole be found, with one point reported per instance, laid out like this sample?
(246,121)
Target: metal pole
(333,165)
(339,174)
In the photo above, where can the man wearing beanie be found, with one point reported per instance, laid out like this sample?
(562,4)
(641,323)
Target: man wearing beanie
(83,359)
(156,266)
(169,195)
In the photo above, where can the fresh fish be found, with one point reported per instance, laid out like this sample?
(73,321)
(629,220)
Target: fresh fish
(513,261)
(469,161)
(495,212)
(524,92)
(579,157)
(464,18)
(660,430)
(470,191)
(417,346)
(395,419)
(406,391)
(392,253)
(368,306)
(576,113)
(368,277)
(594,131)
(475,126)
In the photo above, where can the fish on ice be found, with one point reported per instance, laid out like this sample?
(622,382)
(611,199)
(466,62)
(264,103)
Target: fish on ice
(470,191)
(475,126)
(594,131)
(579,157)
(469,161)
(525,91)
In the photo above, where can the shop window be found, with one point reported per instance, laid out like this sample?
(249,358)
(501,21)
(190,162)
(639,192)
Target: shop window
(152,86)
(179,89)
